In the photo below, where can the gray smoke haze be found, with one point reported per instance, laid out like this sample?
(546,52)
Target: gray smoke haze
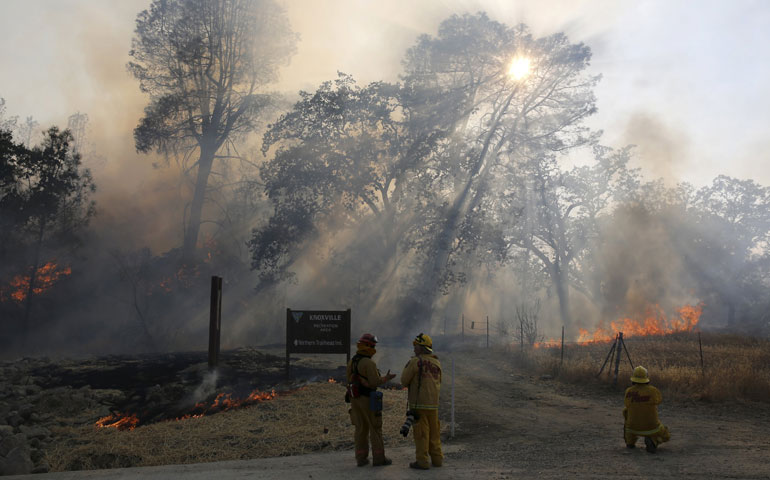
(642,264)
(142,208)
(661,148)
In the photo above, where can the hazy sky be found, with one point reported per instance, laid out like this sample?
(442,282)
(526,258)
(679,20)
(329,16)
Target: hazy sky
(687,81)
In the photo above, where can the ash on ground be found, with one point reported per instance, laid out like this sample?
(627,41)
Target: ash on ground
(38,394)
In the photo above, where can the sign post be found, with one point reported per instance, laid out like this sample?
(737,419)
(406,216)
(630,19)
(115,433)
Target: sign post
(317,331)
(215,320)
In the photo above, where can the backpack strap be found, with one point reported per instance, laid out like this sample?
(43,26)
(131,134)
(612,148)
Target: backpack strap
(364,390)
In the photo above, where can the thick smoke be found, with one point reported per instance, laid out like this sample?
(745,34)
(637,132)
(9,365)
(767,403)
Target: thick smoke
(661,148)
(126,254)
(642,266)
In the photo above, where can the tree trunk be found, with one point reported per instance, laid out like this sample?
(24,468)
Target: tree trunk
(31,286)
(463,203)
(199,195)
(562,292)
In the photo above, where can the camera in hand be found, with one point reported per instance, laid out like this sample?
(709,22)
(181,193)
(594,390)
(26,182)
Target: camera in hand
(411,417)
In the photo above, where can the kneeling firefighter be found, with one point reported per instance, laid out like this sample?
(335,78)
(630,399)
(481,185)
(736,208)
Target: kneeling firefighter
(366,402)
(641,413)
(422,375)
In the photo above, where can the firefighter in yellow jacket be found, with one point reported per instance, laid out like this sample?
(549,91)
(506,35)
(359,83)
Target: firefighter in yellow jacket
(422,375)
(363,380)
(641,413)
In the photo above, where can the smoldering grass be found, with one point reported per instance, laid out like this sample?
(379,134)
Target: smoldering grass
(311,419)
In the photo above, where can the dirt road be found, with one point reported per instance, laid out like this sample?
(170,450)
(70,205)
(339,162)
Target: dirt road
(519,425)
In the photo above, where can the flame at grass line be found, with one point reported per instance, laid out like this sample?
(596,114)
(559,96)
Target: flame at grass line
(655,322)
(224,401)
(221,403)
(119,421)
(45,278)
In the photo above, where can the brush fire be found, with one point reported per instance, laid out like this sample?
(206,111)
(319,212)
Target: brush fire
(653,322)
(221,403)
(45,278)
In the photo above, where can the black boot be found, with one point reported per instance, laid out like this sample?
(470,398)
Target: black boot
(650,445)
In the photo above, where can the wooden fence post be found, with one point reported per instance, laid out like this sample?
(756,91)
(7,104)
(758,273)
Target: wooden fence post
(452,431)
(215,320)
(700,348)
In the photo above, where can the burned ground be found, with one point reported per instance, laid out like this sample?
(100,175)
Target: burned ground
(41,396)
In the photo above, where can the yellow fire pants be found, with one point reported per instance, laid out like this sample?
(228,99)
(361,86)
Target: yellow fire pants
(427,438)
(659,436)
(368,426)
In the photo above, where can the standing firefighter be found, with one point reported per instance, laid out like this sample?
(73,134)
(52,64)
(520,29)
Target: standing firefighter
(422,375)
(641,413)
(366,402)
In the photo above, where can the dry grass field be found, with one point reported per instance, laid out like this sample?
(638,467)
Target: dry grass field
(314,418)
(734,367)
(311,419)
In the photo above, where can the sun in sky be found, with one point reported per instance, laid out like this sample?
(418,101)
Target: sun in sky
(519,68)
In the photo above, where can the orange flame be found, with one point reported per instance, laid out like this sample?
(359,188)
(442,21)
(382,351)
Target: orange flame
(165,284)
(225,401)
(550,343)
(221,403)
(210,244)
(186,275)
(45,277)
(331,380)
(119,421)
(655,322)
(188,416)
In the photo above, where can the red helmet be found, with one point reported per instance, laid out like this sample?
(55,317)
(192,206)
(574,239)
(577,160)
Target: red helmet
(368,339)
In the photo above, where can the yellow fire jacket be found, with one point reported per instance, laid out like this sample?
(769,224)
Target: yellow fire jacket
(367,370)
(641,409)
(422,375)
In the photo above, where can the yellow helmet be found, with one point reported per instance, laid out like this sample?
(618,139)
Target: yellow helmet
(640,375)
(424,341)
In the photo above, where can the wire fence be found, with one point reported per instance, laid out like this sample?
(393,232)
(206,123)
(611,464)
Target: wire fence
(690,364)
(684,348)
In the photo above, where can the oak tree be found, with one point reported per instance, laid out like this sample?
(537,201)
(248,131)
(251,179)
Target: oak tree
(205,65)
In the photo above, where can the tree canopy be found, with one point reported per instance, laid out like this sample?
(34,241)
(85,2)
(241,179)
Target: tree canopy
(205,65)
(44,204)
